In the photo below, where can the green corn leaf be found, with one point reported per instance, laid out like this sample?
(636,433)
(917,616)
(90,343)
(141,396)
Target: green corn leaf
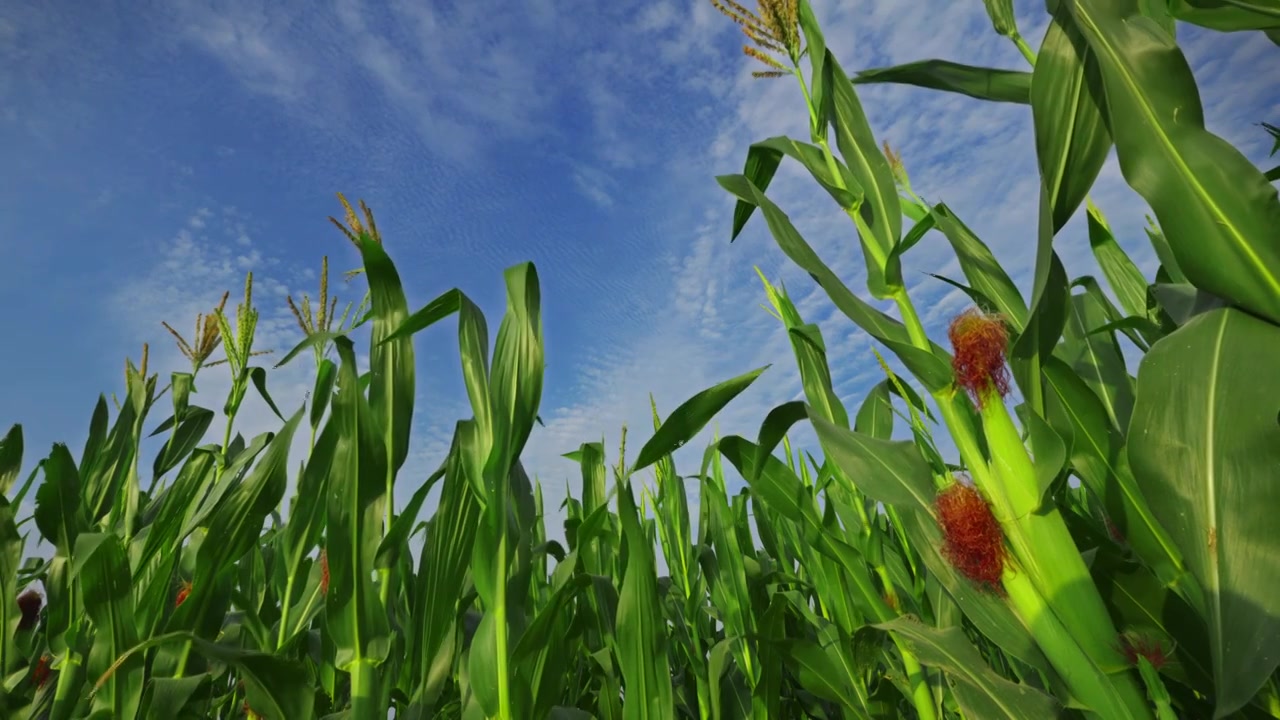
(727,576)
(981,268)
(1048,449)
(1183,301)
(93,444)
(875,415)
(1072,141)
(816,46)
(355,617)
(774,483)
(893,472)
(762,163)
(1217,210)
(165,698)
(10,614)
(258,376)
(395,542)
(515,393)
(391,389)
(240,516)
(923,224)
(1204,444)
(274,686)
(10,458)
(672,511)
(168,529)
(775,427)
(880,326)
(1096,357)
(691,417)
(980,691)
(213,494)
(1125,279)
(314,340)
(811,359)
(641,636)
(1010,86)
(102,481)
(307,514)
(880,214)
(983,302)
(1228,15)
(1168,263)
(322,392)
(1047,316)
(517,372)
(190,432)
(59,514)
(103,572)
(443,563)
(1097,457)
(824,672)
(844,189)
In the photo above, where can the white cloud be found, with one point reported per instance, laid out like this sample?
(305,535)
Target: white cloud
(595,184)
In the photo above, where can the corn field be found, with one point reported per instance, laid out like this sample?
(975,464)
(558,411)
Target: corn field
(1106,548)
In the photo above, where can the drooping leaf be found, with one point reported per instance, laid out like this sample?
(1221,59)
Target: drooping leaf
(981,268)
(1011,86)
(1217,210)
(693,414)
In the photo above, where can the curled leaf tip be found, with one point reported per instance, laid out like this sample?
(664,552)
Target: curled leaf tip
(978,342)
(973,541)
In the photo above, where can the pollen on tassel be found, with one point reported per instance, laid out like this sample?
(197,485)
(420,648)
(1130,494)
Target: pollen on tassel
(978,342)
(973,541)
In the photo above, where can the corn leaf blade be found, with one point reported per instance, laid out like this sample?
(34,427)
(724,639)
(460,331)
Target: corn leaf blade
(1204,453)
(1218,212)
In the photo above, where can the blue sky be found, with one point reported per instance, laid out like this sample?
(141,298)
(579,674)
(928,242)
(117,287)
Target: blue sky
(154,153)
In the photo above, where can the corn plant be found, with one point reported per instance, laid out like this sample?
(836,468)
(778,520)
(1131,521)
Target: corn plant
(1155,561)
(1103,549)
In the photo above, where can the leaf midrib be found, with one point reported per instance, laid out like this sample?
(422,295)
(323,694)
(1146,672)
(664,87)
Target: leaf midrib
(1213,572)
